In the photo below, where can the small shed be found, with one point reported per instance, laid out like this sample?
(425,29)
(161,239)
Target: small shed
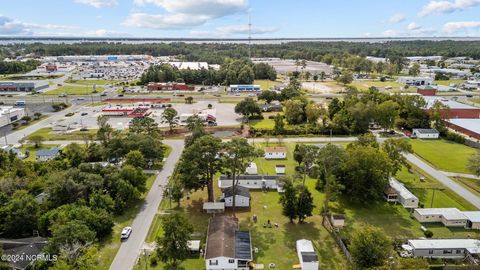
(275,152)
(214,207)
(193,245)
(242,196)
(338,220)
(425,133)
(307,255)
(252,168)
(280,169)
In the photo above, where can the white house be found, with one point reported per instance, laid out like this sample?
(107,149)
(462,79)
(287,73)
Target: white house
(306,255)
(417,81)
(242,196)
(473,219)
(227,247)
(425,133)
(444,248)
(250,181)
(280,169)
(14,150)
(449,217)
(401,194)
(252,168)
(47,154)
(275,152)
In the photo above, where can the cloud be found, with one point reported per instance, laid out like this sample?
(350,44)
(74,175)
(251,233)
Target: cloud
(453,27)
(9,26)
(98,3)
(413,26)
(397,18)
(184,13)
(447,6)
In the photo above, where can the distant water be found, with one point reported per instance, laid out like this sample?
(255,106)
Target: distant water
(46,40)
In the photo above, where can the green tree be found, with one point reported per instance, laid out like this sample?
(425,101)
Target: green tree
(279,126)
(414,70)
(474,163)
(74,154)
(144,125)
(345,78)
(288,199)
(189,100)
(20,215)
(37,140)
(70,239)
(173,245)
(305,203)
(268,96)
(238,153)
(200,162)
(135,158)
(369,246)
(295,111)
(387,113)
(196,126)
(105,130)
(395,148)
(292,90)
(313,111)
(171,116)
(247,107)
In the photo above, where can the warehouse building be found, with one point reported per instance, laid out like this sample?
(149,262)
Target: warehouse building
(415,81)
(469,127)
(456,109)
(245,88)
(23,86)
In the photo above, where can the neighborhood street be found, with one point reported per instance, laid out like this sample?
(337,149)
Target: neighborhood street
(130,249)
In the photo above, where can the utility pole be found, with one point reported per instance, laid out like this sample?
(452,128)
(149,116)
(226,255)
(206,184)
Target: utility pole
(249,36)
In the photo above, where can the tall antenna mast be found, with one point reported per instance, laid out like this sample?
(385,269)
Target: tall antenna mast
(249,35)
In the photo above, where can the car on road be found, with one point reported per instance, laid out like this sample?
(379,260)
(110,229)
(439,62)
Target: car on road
(217,95)
(83,114)
(80,98)
(103,95)
(84,129)
(121,95)
(69,114)
(62,95)
(126,232)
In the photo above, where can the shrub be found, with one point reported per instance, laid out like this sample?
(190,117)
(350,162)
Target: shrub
(153,261)
(428,233)
(454,137)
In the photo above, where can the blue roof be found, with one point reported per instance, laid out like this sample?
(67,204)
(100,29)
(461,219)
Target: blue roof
(48,152)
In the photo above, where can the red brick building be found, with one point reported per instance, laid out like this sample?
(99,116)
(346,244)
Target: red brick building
(168,86)
(427,91)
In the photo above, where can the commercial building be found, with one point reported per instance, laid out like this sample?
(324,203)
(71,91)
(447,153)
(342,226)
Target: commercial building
(227,248)
(444,248)
(469,127)
(427,90)
(169,87)
(415,81)
(306,255)
(23,86)
(425,133)
(245,88)
(455,109)
(401,194)
(9,114)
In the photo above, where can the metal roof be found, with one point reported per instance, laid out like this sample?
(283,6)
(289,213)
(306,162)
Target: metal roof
(402,190)
(447,213)
(239,190)
(444,243)
(469,124)
(243,246)
(473,216)
(426,130)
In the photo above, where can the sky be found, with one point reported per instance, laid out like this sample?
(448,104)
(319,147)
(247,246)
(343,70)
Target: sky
(230,18)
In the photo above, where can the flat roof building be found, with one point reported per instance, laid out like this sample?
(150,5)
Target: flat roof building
(245,88)
(444,248)
(23,86)
(469,127)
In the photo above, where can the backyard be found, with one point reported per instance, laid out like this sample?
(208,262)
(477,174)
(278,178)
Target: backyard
(444,155)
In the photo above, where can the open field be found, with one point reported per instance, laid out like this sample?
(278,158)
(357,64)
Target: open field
(448,82)
(49,135)
(476,100)
(444,155)
(92,82)
(364,85)
(74,90)
(265,84)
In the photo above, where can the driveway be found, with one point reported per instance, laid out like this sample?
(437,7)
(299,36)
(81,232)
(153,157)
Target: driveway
(127,255)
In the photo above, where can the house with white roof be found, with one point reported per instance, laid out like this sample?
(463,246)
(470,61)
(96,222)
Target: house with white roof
(425,133)
(275,152)
(449,217)
(473,221)
(401,194)
(306,255)
(444,248)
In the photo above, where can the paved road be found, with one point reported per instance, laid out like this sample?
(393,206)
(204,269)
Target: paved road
(442,178)
(465,175)
(129,250)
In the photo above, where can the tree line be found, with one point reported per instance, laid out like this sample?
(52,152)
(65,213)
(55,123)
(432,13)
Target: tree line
(12,67)
(232,71)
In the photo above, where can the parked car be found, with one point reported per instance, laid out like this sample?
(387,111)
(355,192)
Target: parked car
(103,95)
(121,95)
(62,95)
(84,129)
(83,114)
(126,232)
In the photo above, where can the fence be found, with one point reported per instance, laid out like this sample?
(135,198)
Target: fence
(337,238)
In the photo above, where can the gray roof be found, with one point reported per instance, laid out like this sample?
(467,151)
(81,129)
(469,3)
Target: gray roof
(426,130)
(239,190)
(243,246)
(24,246)
(52,152)
(221,237)
(309,257)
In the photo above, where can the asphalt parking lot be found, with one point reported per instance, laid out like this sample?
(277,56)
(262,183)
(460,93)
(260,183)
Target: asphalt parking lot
(224,112)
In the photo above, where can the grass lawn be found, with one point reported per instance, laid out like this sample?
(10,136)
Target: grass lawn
(91,82)
(74,90)
(476,100)
(448,82)
(265,84)
(471,184)
(364,85)
(49,135)
(444,155)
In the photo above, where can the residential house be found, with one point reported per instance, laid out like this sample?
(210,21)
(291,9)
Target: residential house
(14,150)
(26,248)
(449,217)
(425,133)
(397,192)
(306,255)
(214,207)
(444,248)
(275,152)
(242,196)
(473,219)
(227,247)
(250,181)
(47,154)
